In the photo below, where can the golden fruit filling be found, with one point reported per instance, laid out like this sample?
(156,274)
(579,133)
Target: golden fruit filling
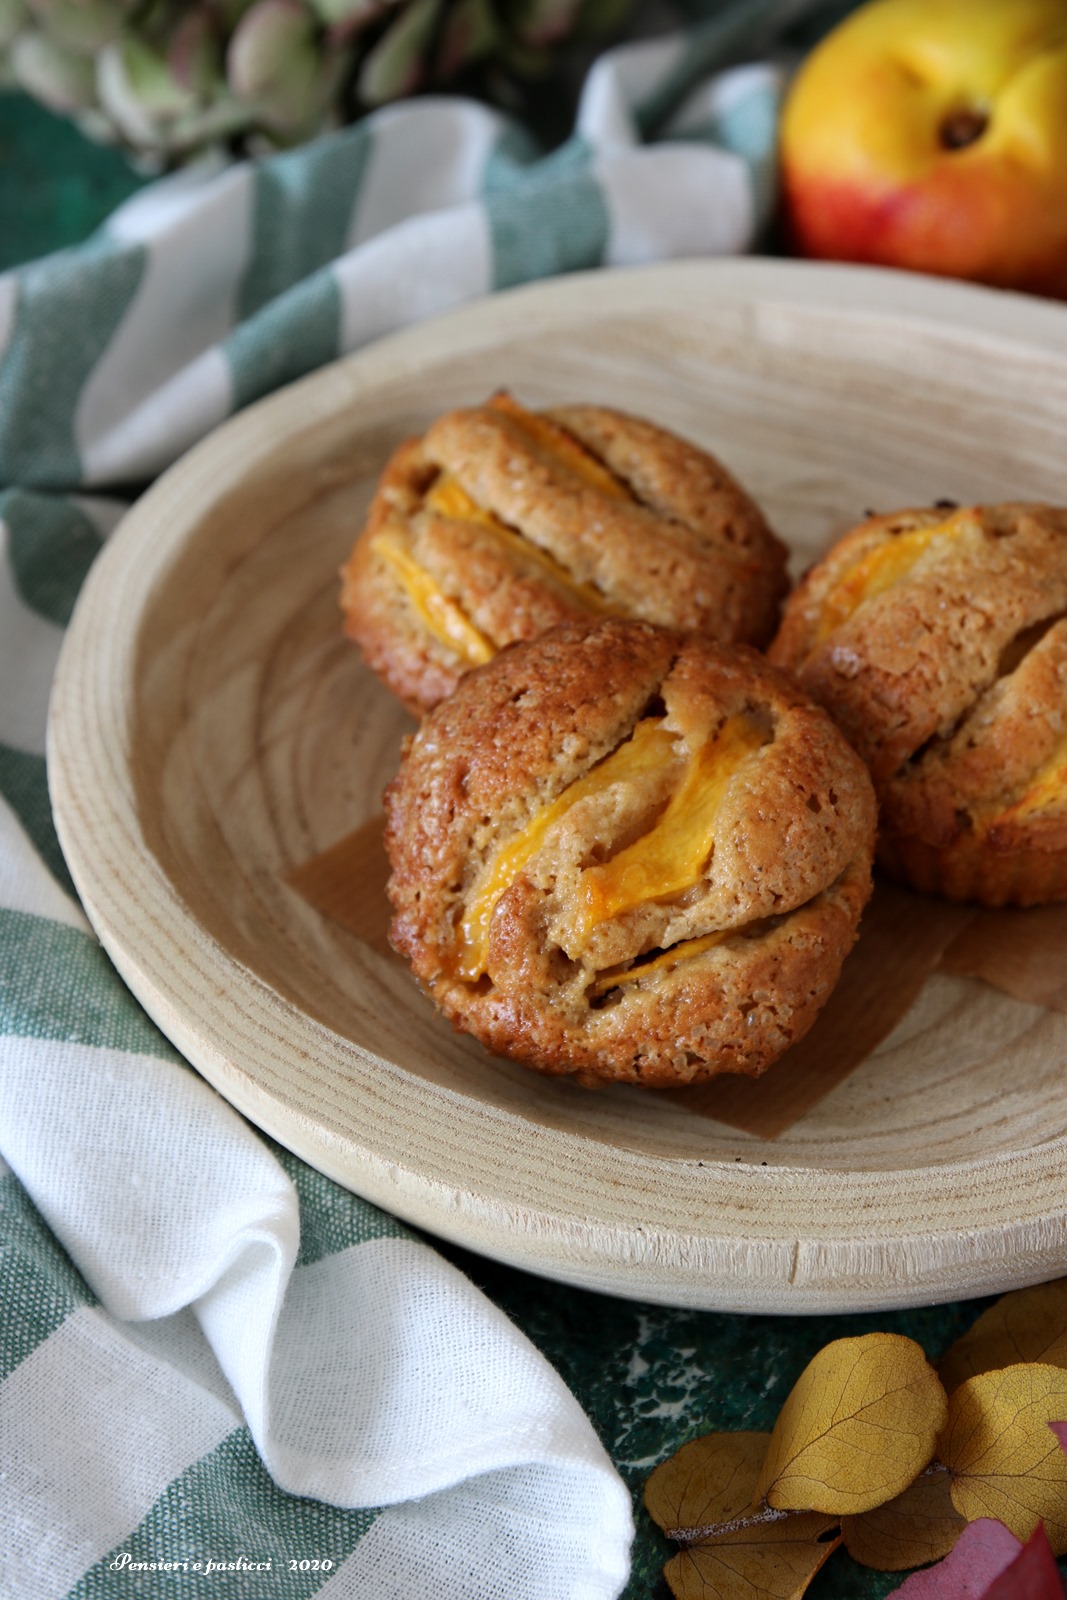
(879,570)
(446,497)
(444,618)
(554,440)
(666,961)
(670,857)
(1047,790)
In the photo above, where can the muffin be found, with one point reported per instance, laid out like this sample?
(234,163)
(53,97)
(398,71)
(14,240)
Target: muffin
(937,640)
(624,853)
(500,523)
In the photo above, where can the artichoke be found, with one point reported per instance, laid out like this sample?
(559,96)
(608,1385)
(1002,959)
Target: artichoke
(165,79)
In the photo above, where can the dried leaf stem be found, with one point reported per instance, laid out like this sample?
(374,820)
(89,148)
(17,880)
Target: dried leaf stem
(716,1530)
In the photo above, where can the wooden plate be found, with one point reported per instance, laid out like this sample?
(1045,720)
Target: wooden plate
(211,730)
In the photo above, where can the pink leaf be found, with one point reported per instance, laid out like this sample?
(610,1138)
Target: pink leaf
(1060,1430)
(1033,1574)
(981,1553)
(989,1563)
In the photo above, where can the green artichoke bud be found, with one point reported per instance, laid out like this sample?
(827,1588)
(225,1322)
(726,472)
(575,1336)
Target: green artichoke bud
(345,16)
(59,78)
(14,18)
(140,93)
(275,66)
(80,25)
(471,33)
(396,65)
(194,55)
(166,78)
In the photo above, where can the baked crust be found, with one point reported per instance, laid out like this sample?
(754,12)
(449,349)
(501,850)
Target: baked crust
(522,817)
(937,639)
(575,512)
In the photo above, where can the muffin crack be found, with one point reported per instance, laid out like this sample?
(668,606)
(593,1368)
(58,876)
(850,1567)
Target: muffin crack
(649,746)
(500,523)
(881,567)
(552,438)
(1019,646)
(513,543)
(653,898)
(656,962)
(661,962)
(951,682)
(443,616)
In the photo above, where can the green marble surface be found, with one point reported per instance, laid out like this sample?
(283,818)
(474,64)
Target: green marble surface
(650,1378)
(55,187)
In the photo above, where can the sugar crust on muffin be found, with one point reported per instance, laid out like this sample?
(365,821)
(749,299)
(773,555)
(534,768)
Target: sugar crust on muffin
(499,523)
(624,853)
(937,639)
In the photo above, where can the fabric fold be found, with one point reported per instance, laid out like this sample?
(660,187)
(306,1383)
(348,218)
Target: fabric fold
(211,288)
(370,1374)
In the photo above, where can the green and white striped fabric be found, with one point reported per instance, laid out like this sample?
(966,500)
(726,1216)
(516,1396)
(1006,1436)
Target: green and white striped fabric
(209,1353)
(212,288)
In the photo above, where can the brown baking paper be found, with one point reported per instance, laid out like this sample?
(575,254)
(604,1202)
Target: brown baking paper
(347,884)
(904,938)
(1024,953)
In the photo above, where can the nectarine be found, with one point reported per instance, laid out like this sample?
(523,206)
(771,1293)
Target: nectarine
(932,134)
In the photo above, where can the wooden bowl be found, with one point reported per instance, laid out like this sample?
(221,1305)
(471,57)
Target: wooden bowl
(211,730)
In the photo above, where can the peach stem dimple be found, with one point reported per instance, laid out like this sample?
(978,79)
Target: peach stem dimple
(963,127)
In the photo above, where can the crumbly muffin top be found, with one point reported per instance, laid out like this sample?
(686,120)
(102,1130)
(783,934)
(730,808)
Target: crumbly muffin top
(937,639)
(590,814)
(501,522)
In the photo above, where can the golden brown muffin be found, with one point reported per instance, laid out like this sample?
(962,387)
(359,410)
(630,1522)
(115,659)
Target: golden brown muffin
(625,853)
(501,522)
(937,640)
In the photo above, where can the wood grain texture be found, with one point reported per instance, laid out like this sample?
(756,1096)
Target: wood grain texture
(211,731)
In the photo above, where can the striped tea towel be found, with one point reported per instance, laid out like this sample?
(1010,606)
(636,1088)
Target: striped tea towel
(211,288)
(219,1372)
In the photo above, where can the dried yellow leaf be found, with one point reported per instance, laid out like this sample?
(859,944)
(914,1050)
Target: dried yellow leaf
(706,1492)
(857,1429)
(1004,1458)
(919,1526)
(775,1561)
(707,1482)
(1027,1325)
